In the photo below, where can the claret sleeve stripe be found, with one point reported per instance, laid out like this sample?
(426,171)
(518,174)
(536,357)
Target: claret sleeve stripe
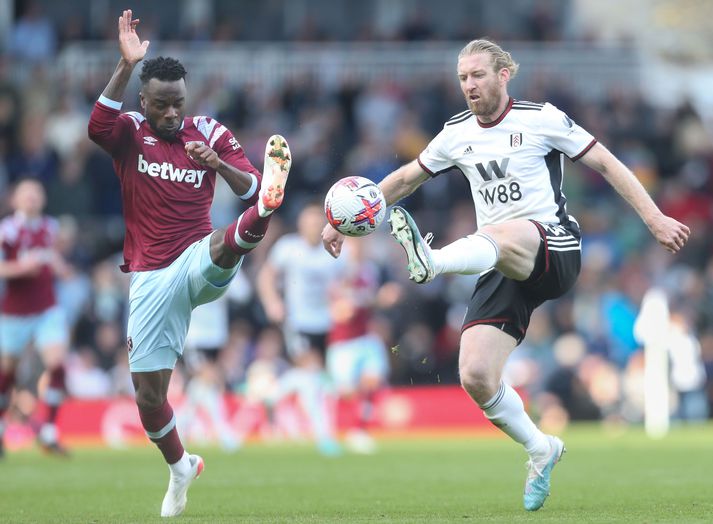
(584,151)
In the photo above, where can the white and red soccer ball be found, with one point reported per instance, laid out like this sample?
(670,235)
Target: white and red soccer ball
(355,206)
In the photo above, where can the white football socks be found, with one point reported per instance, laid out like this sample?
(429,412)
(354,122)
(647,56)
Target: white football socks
(507,412)
(466,256)
(182,467)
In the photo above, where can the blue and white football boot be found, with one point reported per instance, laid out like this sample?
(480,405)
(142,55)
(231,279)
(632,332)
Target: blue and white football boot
(537,485)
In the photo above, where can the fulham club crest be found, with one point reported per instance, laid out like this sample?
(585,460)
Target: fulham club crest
(515,140)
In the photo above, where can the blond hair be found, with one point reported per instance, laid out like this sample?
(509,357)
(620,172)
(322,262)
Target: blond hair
(501,58)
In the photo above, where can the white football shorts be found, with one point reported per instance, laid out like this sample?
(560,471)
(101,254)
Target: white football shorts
(350,360)
(161,302)
(44,329)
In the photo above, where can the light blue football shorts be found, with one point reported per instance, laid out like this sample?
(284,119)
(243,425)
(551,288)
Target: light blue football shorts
(161,302)
(350,360)
(44,329)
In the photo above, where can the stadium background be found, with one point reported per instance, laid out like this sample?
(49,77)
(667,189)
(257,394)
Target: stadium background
(358,89)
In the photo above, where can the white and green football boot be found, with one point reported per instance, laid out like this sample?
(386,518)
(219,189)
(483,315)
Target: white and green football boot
(418,251)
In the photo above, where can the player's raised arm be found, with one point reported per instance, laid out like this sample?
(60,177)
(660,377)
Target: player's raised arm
(669,232)
(402,182)
(132,51)
(103,128)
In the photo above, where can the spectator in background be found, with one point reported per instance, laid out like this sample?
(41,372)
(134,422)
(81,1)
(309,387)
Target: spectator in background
(33,38)
(10,108)
(66,127)
(688,373)
(85,377)
(33,156)
(566,383)
(70,193)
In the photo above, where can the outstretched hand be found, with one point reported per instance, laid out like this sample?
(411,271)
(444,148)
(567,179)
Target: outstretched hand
(332,240)
(670,233)
(132,48)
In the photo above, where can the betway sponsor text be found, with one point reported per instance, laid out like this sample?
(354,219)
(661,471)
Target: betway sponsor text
(167,171)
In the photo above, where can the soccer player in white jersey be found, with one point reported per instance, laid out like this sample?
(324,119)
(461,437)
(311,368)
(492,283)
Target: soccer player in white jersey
(167,164)
(527,248)
(294,285)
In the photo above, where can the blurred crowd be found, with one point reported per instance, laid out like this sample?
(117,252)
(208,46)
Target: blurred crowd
(43,27)
(580,359)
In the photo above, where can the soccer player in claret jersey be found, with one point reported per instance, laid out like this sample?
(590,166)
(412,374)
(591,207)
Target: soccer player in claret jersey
(527,247)
(29,312)
(167,165)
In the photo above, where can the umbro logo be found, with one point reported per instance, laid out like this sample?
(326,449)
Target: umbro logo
(150,141)
(468,150)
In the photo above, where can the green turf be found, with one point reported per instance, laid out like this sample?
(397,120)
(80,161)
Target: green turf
(603,478)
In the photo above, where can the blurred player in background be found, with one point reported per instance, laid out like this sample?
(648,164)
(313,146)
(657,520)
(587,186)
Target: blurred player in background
(29,313)
(527,248)
(293,286)
(167,165)
(357,358)
(208,334)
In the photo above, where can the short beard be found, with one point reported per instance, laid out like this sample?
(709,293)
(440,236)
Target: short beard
(486,109)
(162,134)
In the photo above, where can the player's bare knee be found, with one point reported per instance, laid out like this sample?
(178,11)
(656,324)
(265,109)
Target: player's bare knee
(478,380)
(149,400)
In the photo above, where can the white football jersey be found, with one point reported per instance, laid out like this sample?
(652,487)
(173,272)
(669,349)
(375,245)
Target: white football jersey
(514,165)
(307,274)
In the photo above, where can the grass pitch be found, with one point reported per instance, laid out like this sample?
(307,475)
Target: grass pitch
(603,478)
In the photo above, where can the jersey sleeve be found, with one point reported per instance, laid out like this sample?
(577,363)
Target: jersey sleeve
(108,127)
(563,134)
(435,159)
(221,140)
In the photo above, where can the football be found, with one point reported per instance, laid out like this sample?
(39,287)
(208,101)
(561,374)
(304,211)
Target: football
(355,206)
